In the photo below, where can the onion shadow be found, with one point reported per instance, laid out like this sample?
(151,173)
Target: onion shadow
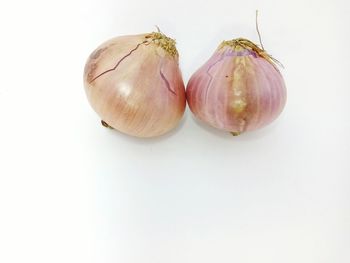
(246,136)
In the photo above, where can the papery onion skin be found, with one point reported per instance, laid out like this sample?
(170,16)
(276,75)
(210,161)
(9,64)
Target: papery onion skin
(135,85)
(238,89)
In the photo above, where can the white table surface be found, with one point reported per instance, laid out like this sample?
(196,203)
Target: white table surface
(73,191)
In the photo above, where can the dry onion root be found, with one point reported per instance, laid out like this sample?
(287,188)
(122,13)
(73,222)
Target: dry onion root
(135,85)
(238,89)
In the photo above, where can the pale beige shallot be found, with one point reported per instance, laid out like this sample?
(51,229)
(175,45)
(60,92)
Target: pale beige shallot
(135,85)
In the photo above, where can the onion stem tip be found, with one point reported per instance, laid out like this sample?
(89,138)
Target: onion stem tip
(105,124)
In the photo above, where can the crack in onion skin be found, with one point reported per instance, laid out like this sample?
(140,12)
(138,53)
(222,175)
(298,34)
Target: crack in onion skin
(238,89)
(135,85)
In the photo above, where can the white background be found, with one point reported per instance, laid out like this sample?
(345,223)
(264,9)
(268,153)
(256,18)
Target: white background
(73,191)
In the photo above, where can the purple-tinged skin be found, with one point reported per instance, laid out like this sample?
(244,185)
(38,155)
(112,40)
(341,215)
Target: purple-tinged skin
(135,86)
(236,91)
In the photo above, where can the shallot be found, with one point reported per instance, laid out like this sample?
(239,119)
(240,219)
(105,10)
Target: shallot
(135,85)
(238,89)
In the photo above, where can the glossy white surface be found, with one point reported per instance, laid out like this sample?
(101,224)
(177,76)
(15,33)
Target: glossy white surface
(73,191)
